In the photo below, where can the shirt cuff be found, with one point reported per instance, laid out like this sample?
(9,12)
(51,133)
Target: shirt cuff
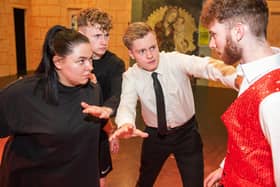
(222,164)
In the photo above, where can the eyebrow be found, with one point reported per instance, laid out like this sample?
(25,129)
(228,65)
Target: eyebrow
(151,46)
(212,33)
(84,57)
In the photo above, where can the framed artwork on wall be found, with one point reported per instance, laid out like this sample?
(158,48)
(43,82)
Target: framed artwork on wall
(176,23)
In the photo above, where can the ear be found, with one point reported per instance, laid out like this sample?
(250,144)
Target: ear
(85,30)
(57,60)
(130,53)
(81,30)
(238,31)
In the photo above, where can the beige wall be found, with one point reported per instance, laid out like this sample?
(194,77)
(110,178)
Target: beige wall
(40,15)
(7,36)
(274,22)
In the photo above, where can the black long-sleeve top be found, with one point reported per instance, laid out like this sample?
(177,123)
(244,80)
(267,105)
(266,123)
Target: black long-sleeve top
(49,146)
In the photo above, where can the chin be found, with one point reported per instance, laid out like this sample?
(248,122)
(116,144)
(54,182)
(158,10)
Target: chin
(150,68)
(102,52)
(84,82)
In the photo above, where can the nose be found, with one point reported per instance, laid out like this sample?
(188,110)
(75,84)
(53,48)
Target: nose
(88,65)
(149,54)
(212,43)
(104,40)
(91,67)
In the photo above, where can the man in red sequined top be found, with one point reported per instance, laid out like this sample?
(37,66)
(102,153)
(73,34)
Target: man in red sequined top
(238,33)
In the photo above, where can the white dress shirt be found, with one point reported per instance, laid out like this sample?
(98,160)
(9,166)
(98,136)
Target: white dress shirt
(269,108)
(174,71)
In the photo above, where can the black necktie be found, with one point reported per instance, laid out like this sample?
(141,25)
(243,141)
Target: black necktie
(161,116)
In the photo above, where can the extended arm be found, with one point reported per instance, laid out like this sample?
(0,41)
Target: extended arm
(208,68)
(115,82)
(126,114)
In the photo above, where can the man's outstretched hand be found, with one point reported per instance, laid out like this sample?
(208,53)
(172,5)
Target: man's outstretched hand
(128,131)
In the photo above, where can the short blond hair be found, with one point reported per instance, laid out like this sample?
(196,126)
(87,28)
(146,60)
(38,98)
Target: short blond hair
(134,31)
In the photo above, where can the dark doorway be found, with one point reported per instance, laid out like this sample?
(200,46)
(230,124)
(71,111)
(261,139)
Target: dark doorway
(20,41)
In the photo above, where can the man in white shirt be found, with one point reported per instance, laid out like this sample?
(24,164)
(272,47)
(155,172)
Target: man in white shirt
(238,32)
(174,71)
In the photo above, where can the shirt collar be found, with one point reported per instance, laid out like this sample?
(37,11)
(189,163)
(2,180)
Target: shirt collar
(159,70)
(253,70)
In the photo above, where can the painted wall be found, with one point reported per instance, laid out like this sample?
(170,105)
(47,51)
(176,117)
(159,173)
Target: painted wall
(40,15)
(7,36)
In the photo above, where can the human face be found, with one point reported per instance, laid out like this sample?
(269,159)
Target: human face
(75,69)
(221,41)
(98,39)
(232,53)
(145,52)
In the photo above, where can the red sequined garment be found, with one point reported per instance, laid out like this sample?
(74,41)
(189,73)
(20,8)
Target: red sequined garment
(249,160)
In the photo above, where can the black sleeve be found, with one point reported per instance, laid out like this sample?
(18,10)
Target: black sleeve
(4,126)
(115,84)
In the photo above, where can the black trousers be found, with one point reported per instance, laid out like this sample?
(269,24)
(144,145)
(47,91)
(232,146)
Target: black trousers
(186,145)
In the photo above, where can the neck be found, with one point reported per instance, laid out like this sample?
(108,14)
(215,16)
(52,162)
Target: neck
(256,51)
(96,57)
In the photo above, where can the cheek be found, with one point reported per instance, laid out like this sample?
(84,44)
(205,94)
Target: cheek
(220,44)
(93,44)
(73,73)
(76,77)
(140,60)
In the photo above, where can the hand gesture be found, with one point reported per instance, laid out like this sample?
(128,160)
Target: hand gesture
(101,112)
(212,180)
(128,131)
(114,145)
(92,78)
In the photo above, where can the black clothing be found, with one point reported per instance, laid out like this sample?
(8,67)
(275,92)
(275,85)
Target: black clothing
(108,71)
(105,160)
(50,145)
(161,114)
(186,145)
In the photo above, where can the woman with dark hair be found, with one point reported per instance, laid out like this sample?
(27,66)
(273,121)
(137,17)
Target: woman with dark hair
(53,142)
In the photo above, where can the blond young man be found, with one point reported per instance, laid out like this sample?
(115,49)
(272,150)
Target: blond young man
(181,136)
